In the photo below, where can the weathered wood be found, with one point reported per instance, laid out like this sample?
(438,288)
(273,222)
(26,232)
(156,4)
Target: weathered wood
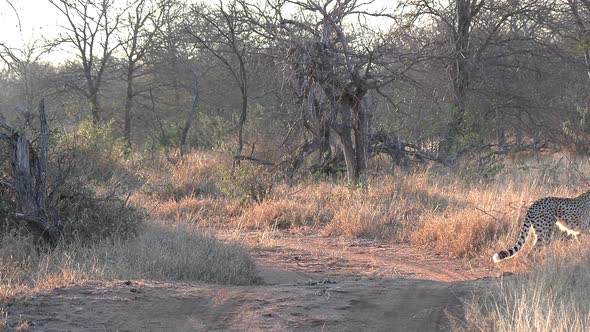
(30,177)
(25,177)
(42,191)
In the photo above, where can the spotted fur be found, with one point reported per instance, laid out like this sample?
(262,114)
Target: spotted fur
(571,215)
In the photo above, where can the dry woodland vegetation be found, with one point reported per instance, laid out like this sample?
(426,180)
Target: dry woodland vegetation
(107,237)
(494,92)
(449,211)
(427,206)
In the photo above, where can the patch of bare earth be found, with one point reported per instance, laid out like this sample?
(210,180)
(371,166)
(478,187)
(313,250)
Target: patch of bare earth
(312,283)
(322,256)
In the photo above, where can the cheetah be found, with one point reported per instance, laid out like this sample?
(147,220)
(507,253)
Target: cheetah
(571,215)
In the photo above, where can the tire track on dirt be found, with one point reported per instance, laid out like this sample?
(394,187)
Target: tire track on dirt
(313,283)
(348,305)
(328,256)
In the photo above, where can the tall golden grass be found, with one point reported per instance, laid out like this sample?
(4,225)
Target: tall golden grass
(428,207)
(553,297)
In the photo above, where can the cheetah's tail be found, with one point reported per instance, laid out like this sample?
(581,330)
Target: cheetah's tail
(505,254)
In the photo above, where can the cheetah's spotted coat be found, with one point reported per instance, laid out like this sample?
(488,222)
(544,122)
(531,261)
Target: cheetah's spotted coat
(569,214)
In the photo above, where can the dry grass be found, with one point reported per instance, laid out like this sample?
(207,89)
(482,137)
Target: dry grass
(172,250)
(475,218)
(23,325)
(204,211)
(192,175)
(552,298)
(160,252)
(180,253)
(433,207)
(3,319)
(301,206)
(280,214)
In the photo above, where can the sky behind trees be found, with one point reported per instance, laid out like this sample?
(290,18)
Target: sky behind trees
(38,18)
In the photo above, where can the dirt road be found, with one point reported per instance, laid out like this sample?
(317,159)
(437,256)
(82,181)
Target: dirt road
(312,283)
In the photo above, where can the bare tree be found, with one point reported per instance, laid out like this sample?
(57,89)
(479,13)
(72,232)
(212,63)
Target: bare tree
(28,68)
(189,120)
(11,5)
(569,42)
(91,27)
(223,32)
(336,60)
(467,30)
(579,11)
(141,24)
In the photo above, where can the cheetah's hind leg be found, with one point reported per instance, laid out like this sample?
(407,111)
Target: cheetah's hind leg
(543,235)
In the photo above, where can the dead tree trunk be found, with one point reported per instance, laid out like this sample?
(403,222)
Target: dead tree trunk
(323,134)
(94,108)
(353,133)
(42,188)
(26,170)
(30,178)
(353,129)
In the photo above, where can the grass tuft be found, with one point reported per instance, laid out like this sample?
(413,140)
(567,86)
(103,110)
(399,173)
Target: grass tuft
(159,252)
(552,298)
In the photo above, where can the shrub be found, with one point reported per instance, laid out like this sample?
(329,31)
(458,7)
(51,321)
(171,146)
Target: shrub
(90,182)
(91,153)
(90,216)
(192,175)
(157,253)
(248,181)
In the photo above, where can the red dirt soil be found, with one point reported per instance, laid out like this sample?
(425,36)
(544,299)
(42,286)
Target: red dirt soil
(312,283)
